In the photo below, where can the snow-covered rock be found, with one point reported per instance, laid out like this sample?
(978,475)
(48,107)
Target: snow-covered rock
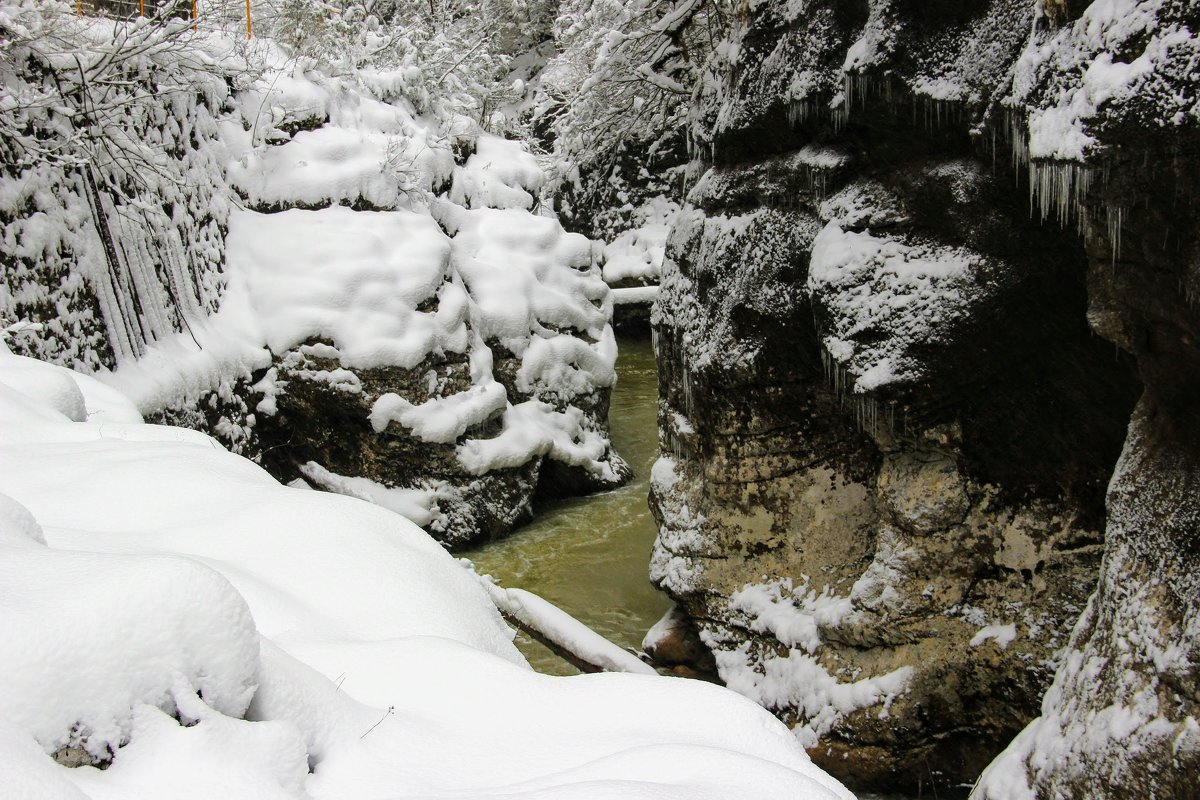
(880,393)
(365,325)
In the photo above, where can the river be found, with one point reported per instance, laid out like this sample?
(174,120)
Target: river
(590,555)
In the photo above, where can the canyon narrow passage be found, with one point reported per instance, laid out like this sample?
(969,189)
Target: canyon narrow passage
(588,555)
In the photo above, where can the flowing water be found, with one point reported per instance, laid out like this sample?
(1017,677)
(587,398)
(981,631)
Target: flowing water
(590,555)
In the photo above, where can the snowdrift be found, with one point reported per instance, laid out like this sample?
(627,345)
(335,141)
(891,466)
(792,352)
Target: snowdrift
(172,613)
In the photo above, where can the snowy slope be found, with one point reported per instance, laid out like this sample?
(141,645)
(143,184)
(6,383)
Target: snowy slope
(172,611)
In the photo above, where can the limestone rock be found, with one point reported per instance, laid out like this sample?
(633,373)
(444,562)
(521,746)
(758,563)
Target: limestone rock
(888,430)
(923,491)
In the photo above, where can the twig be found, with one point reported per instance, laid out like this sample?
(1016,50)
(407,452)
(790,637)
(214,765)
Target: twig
(390,710)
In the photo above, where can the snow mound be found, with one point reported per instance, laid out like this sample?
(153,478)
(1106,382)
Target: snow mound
(351,148)
(527,275)
(262,641)
(637,254)
(353,278)
(79,662)
(385,265)
(501,173)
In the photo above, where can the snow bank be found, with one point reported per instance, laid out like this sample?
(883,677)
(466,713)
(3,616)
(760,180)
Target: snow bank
(501,173)
(217,634)
(352,278)
(371,152)
(74,671)
(526,273)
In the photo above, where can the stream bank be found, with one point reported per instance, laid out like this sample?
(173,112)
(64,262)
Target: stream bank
(588,555)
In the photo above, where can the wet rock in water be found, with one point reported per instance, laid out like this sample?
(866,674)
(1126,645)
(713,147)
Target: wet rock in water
(674,643)
(888,430)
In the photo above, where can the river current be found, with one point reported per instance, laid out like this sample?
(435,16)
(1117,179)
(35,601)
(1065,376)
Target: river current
(590,555)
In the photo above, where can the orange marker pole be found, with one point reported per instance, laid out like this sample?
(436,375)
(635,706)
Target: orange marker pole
(249,29)
(141,8)
(195,16)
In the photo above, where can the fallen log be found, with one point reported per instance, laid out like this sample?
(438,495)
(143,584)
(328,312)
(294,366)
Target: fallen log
(564,635)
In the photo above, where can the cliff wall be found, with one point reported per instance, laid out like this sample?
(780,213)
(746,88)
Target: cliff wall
(933,255)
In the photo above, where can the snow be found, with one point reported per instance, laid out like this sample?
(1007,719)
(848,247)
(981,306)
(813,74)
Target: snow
(637,254)
(791,616)
(334,274)
(869,284)
(65,682)
(634,295)
(677,560)
(1002,635)
(536,428)
(354,281)
(500,174)
(440,419)
(664,474)
(217,634)
(349,267)
(795,678)
(417,505)
(525,272)
(563,629)
(371,152)
(1071,79)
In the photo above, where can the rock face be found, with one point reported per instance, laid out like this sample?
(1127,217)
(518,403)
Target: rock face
(1122,718)
(887,427)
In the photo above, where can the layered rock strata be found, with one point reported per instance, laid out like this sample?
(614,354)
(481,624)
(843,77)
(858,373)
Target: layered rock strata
(887,425)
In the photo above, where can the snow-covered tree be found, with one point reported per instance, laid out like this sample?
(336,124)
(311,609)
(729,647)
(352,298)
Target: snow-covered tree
(618,94)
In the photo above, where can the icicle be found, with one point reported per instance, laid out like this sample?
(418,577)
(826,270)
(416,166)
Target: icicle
(1059,189)
(1115,219)
(799,112)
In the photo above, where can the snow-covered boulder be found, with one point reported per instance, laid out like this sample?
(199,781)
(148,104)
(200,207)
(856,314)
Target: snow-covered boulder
(302,303)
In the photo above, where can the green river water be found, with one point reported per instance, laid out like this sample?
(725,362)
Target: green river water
(590,555)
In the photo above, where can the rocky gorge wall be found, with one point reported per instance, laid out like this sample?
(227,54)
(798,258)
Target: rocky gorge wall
(932,257)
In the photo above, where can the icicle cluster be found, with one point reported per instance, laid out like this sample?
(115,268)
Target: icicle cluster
(872,416)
